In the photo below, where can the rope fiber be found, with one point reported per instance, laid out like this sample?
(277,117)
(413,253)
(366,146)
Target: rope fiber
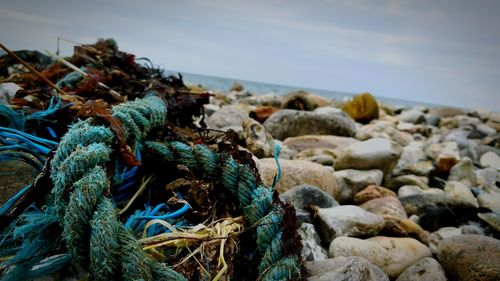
(83,209)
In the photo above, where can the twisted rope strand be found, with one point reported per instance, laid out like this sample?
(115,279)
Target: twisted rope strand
(256,202)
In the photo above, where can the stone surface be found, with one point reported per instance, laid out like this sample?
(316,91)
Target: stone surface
(377,153)
(257,140)
(411,155)
(302,100)
(470,257)
(346,220)
(303,195)
(261,113)
(397,182)
(351,182)
(460,194)
(362,108)
(415,204)
(434,218)
(445,154)
(413,116)
(489,199)
(334,143)
(290,123)
(490,159)
(463,172)
(426,269)
(311,244)
(460,136)
(323,156)
(437,236)
(491,218)
(263,100)
(347,269)
(392,255)
(385,206)
(446,111)
(297,172)
(408,190)
(306,195)
(372,192)
(487,177)
(398,227)
(228,115)
(383,129)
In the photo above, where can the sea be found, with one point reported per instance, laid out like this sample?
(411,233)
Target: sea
(261,88)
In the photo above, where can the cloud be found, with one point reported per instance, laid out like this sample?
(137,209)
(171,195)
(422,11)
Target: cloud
(15,15)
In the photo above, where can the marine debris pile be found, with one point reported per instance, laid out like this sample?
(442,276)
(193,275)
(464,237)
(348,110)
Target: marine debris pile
(130,184)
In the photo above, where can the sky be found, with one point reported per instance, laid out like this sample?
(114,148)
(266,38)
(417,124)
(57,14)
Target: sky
(436,51)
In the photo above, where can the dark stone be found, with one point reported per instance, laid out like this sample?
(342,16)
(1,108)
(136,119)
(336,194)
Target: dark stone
(434,218)
(304,195)
(417,203)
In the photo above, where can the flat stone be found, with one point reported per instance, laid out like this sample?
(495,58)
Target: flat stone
(463,172)
(228,115)
(412,154)
(437,236)
(377,153)
(415,204)
(392,255)
(470,257)
(397,182)
(389,205)
(346,268)
(290,123)
(335,143)
(490,159)
(487,177)
(460,195)
(311,244)
(491,218)
(434,218)
(351,182)
(383,129)
(445,154)
(346,220)
(323,156)
(408,190)
(413,116)
(297,172)
(426,269)
(398,227)
(489,199)
(257,140)
(372,192)
(303,195)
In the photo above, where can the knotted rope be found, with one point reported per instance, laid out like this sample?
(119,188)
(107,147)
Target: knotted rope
(94,237)
(98,241)
(255,200)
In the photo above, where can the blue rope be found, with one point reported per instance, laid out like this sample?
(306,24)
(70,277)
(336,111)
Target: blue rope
(278,166)
(55,105)
(7,205)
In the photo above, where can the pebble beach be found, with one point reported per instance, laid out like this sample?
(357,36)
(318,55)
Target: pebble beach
(381,192)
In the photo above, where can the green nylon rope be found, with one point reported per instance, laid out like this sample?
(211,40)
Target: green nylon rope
(256,202)
(94,236)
